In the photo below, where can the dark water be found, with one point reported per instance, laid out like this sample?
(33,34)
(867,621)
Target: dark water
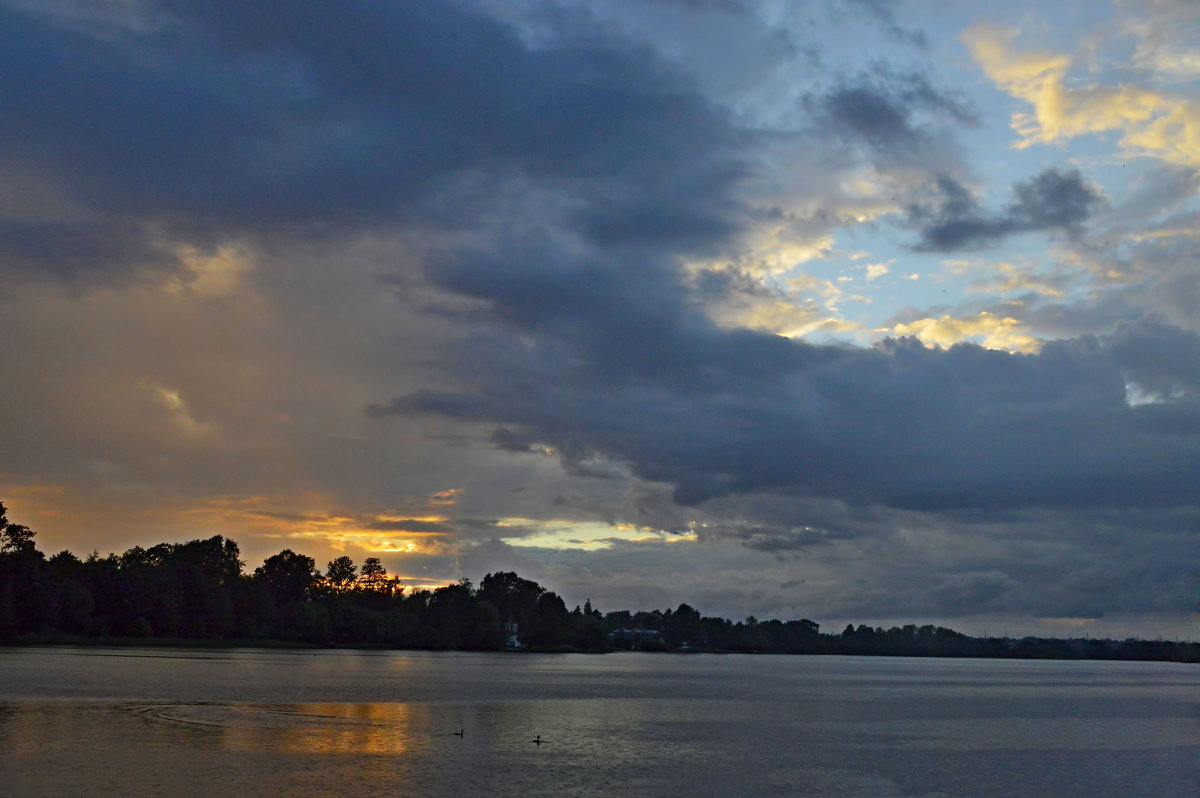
(254,722)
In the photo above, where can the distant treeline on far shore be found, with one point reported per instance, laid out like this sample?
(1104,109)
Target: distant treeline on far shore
(197,591)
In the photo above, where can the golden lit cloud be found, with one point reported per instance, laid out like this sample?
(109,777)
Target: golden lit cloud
(781,316)
(877,270)
(1185,229)
(986,329)
(789,308)
(219,273)
(960,265)
(418,528)
(64,516)
(445,498)
(775,250)
(182,418)
(588,535)
(1071,623)
(1152,123)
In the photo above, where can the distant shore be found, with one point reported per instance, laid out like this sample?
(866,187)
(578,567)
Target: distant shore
(197,595)
(1185,653)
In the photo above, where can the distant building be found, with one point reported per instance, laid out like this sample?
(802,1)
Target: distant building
(511,641)
(635,638)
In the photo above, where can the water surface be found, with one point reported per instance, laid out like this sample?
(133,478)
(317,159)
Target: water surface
(266,722)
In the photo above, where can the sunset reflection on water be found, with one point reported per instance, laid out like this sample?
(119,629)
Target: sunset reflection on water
(315,728)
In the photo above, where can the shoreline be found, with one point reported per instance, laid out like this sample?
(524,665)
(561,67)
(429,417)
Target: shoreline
(71,641)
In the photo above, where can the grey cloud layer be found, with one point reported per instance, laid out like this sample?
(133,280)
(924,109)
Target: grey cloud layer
(231,120)
(715,413)
(1050,200)
(879,109)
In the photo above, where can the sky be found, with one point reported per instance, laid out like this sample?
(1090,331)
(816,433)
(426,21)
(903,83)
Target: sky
(857,311)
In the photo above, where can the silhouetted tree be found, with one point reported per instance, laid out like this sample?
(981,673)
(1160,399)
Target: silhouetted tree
(205,574)
(373,572)
(197,589)
(288,576)
(681,626)
(22,580)
(341,573)
(451,615)
(17,539)
(513,597)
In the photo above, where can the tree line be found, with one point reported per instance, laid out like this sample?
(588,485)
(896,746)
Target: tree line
(198,590)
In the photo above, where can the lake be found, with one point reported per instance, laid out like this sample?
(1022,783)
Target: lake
(115,721)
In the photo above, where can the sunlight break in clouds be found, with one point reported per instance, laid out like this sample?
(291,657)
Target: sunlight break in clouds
(220,273)
(989,330)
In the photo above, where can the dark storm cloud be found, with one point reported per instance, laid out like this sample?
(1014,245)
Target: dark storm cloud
(1080,565)
(869,563)
(875,118)
(1051,200)
(878,108)
(608,320)
(235,119)
(716,413)
(899,123)
(62,248)
(1044,562)
(898,118)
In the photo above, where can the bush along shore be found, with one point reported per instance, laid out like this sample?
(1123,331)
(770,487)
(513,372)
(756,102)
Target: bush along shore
(196,593)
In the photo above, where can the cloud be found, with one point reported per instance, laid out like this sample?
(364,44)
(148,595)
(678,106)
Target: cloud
(1154,123)
(1009,279)
(735,299)
(220,123)
(876,270)
(717,413)
(1165,32)
(173,403)
(900,119)
(1050,200)
(837,563)
(882,14)
(237,187)
(992,332)
(879,107)
(410,525)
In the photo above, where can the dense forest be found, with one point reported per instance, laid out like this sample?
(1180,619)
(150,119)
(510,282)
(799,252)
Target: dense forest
(197,591)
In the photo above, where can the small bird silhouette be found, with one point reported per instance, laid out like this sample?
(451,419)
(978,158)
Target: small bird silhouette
(537,740)
(458,733)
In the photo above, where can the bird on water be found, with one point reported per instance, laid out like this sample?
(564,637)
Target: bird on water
(537,740)
(458,733)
